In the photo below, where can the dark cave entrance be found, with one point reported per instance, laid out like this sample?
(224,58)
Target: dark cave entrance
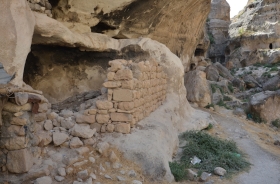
(270,46)
(199,52)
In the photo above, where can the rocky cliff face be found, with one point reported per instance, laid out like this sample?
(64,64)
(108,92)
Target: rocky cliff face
(218,25)
(254,34)
(177,24)
(59,132)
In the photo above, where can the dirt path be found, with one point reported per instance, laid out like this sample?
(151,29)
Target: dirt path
(256,140)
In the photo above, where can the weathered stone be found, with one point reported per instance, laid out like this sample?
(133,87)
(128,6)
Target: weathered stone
(96,126)
(45,138)
(59,138)
(126,106)
(113,157)
(66,113)
(18,130)
(82,131)
(75,142)
(82,150)
(104,105)
(48,125)
(102,147)
(110,76)
(212,73)
(204,176)
(40,117)
(89,142)
(43,107)
(112,84)
(115,65)
(128,84)
(122,128)
(121,117)
(18,121)
(102,118)
(220,171)
(136,182)
(19,161)
(21,98)
(59,178)
(123,95)
(11,107)
(67,123)
(52,115)
(191,174)
(15,143)
(83,174)
(43,180)
(80,118)
(110,128)
(61,171)
(123,74)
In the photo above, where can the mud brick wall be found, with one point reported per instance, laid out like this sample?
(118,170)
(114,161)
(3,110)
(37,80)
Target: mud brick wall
(134,91)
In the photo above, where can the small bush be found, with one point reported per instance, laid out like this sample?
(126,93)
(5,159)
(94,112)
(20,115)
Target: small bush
(221,103)
(276,123)
(227,98)
(213,152)
(230,87)
(209,105)
(210,126)
(274,69)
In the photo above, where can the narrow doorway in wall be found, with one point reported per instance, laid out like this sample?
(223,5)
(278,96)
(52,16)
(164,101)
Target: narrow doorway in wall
(270,46)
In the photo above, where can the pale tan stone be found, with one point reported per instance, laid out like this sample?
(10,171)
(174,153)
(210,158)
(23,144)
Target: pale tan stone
(113,110)
(124,74)
(59,138)
(90,112)
(121,117)
(110,128)
(80,118)
(40,117)
(115,65)
(110,76)
(122,128)
(43,107)
(128,84)
(11,107)
(126,106)
(112,84)
(104,105)
(17,130)
(15,143)
(19,161)
(18,121)
(102,111)
(110,94)
(123,95)
(102,118)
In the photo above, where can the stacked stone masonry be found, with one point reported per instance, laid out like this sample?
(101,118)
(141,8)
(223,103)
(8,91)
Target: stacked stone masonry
(42,6)
(134,91)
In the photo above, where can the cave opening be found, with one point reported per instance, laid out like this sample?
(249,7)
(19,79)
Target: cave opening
(199,52)
(270,46)
(54,3)
(101,27)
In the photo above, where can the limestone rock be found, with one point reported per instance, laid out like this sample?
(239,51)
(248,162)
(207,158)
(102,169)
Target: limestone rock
(122,128)
(198,90)
(48,125)
(220,171)
(43,180)
(67,123)
(19,21)
(19,161)
(85,119)
(266,105)
(75,142)
(82,174)
(21,98)
(104,105)
(59,138)
(212,73)
(61,171)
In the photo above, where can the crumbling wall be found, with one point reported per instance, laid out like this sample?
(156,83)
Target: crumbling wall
(42,6)
(134,91)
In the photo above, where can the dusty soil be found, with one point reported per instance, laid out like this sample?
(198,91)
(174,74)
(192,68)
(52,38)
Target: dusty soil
(255,140)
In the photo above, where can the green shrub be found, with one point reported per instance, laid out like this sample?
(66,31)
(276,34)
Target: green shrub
(230,87)
(274,69)
(212,151)
(227,98)
(209,105)
(276,123)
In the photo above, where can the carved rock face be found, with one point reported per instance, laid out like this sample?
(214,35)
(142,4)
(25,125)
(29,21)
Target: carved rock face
(177,24)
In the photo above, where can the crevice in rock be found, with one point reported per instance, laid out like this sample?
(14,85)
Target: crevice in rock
(101,27)
(199,52)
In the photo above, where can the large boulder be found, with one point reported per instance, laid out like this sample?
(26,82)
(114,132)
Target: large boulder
(15,40)
(198,89)
(265,105)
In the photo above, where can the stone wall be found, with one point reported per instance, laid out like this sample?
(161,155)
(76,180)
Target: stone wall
(134,91)
(23,118)
(42,6)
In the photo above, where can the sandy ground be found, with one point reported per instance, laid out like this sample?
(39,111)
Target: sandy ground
(255,140)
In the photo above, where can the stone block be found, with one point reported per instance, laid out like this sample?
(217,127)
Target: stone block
(112,84)
(104,105)
(115,65)
(59,138)
(82,131)
(110,76)
(15,143)
(43,107)
(124,74)
(102,118)
(126,106)
(122,128)
(96,126)
(123,95)
(80,118)
(110,128)
(40,117)
(19,161)
(18,121)
(21,98)
(129,84)
(121,117)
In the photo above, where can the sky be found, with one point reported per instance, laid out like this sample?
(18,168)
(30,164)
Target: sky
(236,6)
